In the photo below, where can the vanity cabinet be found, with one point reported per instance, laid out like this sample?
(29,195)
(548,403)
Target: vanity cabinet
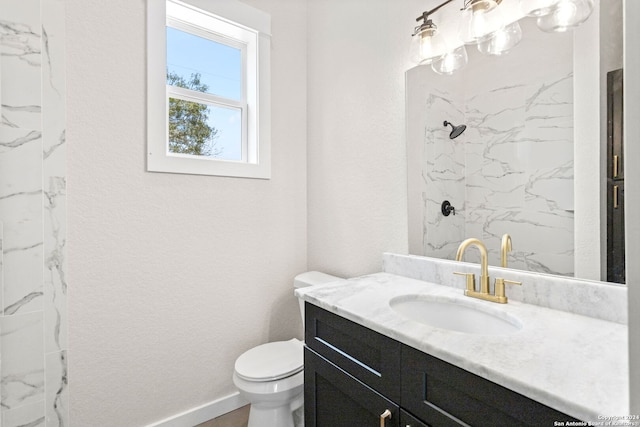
(353,375)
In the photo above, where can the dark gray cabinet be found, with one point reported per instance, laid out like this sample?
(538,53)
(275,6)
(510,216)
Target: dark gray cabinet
(339,399)
(615,178)
(353,375)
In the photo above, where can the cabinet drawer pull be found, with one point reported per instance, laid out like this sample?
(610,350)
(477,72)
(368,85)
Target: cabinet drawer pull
(386,414)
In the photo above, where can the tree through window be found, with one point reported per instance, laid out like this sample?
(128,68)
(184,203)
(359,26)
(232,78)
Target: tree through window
(189,132)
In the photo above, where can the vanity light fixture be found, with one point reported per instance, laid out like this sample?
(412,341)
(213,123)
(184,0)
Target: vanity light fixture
(480,18)
(427,43)
(482,24)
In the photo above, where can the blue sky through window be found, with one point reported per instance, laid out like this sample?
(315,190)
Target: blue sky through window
(220,68)
(228,121)
(219,65)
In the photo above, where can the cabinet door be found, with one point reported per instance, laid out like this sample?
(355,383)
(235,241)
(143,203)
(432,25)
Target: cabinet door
(333,398)
(441,394)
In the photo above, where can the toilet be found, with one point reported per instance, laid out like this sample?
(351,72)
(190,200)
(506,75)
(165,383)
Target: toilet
(270,376)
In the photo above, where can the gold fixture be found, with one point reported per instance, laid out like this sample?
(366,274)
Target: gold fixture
(504,249)
(471,280)
(616,161)
(484,274)
(500,297)
(386,414)
(484,293)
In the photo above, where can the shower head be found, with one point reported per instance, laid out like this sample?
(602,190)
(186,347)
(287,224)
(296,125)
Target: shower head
(456,131)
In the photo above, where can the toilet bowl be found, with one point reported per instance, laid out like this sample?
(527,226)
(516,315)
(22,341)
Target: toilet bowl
(270,376)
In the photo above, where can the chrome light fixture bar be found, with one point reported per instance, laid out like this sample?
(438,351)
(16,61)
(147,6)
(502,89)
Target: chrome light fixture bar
(482,24)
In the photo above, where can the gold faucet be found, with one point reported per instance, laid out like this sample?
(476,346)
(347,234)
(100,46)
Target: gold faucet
(504,248)
(484,273)
(484,293)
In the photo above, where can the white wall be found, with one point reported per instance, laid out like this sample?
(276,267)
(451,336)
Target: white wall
(172,276)
(632,190)
(358,54)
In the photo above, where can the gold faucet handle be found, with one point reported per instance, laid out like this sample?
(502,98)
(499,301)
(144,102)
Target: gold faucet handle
(500,282)
(471,280)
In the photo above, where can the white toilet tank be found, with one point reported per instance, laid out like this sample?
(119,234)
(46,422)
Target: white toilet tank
(311,278)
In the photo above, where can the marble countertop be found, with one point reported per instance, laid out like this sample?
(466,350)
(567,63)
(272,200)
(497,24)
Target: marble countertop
(573,363)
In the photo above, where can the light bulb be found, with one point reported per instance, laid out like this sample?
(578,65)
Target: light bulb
(479,18)
(565,12)
(502,41)
(565,15)
(478,24)
(451,61)
(427,44)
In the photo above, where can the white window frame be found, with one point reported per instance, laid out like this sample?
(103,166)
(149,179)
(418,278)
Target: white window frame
(230,22)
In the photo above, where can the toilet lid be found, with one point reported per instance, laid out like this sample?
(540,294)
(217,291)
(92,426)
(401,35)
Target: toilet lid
(271,361)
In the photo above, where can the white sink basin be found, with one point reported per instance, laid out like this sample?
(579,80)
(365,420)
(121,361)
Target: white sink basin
(455,314)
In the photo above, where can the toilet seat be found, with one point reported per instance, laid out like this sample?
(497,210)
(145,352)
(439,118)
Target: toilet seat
(271,361)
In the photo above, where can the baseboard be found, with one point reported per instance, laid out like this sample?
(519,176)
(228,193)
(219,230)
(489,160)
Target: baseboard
(204,412)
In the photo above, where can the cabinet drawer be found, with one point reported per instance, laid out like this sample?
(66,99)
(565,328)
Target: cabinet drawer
(369,356)
(333,398)
(407,420)
(444,395)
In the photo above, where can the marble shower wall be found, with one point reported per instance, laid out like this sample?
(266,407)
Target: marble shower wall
(519,172)
(511,171)
(33,321)
(443,173)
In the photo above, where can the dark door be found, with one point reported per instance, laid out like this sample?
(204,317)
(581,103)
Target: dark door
(615,179)
(334,398)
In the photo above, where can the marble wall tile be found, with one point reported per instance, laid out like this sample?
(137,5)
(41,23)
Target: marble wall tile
(20,47)
(54,152)
(1,271)
(21,213)
(54,87)
(510,172)
(549,142)
(22,360)
(33,328)
(31,415)
(57,389)
(541,241)
(443,175)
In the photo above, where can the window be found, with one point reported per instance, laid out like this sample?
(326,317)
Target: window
(208,88)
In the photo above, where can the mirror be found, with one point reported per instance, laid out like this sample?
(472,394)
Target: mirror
(528,163)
